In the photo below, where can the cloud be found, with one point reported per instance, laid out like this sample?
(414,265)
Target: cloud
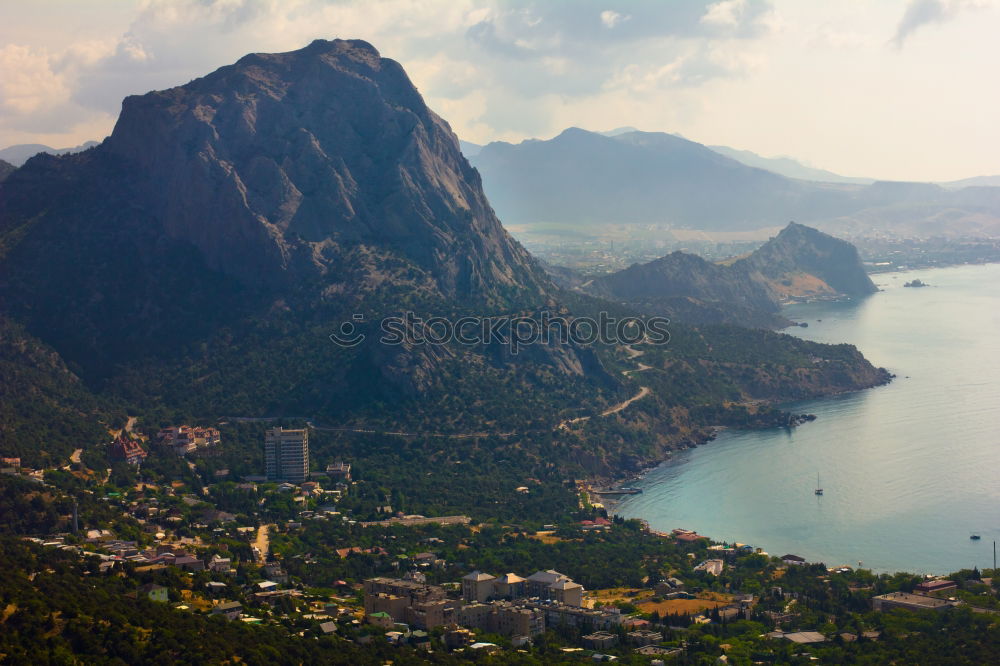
(508,60)
(924,12)
(611,18)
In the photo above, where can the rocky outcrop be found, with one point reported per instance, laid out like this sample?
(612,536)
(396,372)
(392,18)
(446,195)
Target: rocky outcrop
(6,168)
(799,249)
(685,287)
(800,262)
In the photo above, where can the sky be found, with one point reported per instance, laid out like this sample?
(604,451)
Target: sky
(892,89)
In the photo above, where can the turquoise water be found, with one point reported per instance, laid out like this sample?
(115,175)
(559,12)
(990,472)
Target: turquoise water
(909,470)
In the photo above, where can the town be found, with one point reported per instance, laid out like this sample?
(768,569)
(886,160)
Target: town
(283,549)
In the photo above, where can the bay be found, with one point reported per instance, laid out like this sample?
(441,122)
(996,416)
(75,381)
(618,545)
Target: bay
(909,470)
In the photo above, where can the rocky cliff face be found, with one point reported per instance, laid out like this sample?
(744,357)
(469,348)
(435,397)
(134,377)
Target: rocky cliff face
(294,181)
(291,167)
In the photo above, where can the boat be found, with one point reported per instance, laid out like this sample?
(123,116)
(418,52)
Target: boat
(819,489)
(974,537)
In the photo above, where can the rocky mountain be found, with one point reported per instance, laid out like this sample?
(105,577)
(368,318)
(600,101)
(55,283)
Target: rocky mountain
(687,288)
(6,168)
(253,210)
(803,262)
(589,182)
(800,262)
(20,153)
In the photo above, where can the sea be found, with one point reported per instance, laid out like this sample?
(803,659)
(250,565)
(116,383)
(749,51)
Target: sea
(910,471)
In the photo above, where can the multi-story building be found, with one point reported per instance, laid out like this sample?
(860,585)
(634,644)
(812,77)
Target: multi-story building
(477,586)
(914,602)
(502,617)
(286,455)
(557,614)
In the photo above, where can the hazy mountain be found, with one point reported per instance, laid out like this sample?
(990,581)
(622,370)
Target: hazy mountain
(975,181)
(800,262)
(468,148)
(21,153)
(786,166)
(586,180)
(6,168)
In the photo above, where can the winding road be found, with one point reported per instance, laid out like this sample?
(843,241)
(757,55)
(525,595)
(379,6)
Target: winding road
(563,425)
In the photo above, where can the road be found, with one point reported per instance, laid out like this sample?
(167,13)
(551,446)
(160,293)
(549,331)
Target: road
(263,541)
(614,409)
(562,425)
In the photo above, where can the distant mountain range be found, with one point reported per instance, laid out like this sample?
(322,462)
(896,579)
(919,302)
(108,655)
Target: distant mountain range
(786,166)
(21,153)
(799,263)
(589,180)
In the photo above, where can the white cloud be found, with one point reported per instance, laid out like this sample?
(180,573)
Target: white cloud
(726,13)
(611,18)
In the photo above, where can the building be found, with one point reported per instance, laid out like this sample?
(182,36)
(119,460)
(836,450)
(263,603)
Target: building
(124,448)
(477,586)
(600,640)
(793,559)
(557,614)
(184,439)
(914,602)
(218,564)
(713,567)
(644,637)
(339,471)
(929,586)
(286,455)
(503,617)
(508,586)
(231,610)
(394,596)
(566,592)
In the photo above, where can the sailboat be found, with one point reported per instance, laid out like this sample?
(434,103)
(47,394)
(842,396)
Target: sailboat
(819,489)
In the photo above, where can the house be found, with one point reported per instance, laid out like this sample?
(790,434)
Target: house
(219,564)
(125,449)
(215,587)
(267,586)
(275,573)
(231,610)
(938,585)
(381,619)
(793,559)
(712,567)
(154,592)
(189,563)
(328,627)
(566,592)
